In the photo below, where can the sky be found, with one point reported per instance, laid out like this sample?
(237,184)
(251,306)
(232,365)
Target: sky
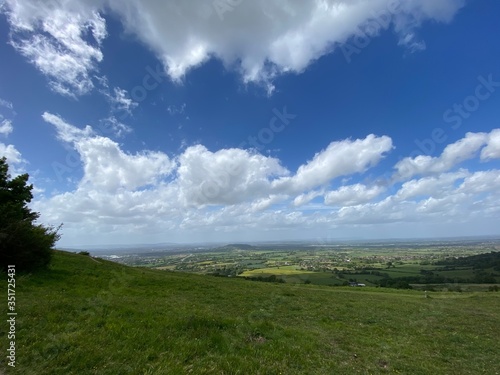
(254,120)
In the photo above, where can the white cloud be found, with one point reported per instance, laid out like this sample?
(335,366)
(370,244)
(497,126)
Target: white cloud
(338,159)
(6,124)
(492,149)
(65,131)
(447,205)
(453,154)
(11,153)
(112,125)
(412,13)
(480,182)
(109,168)
(430,186)
(120,101)
(302,199)
(6,104)
(353,195)
(265,203)
(227,176)
(260,38)
(176,110)
(13,156)
(53,37)
(410,41)
(106,166)
(450,205)
(200,194)
(5,127)
(265,38)
(197,188)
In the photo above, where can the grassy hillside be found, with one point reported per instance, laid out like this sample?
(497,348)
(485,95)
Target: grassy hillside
(90,316)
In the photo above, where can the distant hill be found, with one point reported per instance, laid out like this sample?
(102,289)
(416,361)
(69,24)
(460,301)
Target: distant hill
(91,316)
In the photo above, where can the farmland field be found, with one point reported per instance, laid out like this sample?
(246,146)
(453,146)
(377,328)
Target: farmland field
(371,264)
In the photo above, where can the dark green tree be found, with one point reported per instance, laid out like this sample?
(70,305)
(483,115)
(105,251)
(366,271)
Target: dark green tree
(23,243)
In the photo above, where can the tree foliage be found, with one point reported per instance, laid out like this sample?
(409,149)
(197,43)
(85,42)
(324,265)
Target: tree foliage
(23,243)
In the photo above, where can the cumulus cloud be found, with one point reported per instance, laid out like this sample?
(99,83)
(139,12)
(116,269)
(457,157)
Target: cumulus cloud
(196,187)
(260,38)
(338,159)
(265,38)
(453,154)
(227,176)
(306,198)
(480,182)
(352,195)
(106,166)
(238,191)
(431,200)
(429,186)
(11,153)
(492,149)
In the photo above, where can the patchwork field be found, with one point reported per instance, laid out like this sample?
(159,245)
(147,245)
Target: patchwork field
(394,265)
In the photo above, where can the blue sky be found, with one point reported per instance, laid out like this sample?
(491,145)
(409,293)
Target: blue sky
(238,120)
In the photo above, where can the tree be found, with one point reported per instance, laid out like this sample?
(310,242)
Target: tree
(23,243)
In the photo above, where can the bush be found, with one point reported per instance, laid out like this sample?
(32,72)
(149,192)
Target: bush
(23,243)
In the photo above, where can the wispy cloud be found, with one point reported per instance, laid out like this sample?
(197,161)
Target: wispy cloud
(55,38)
(176,110)
(5,127)
(120,101)
(6,104)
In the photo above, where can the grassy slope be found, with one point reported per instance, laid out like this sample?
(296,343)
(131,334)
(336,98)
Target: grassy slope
(97,317)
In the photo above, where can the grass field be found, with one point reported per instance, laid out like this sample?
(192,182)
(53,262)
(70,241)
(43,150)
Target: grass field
(90,316)
(278,271)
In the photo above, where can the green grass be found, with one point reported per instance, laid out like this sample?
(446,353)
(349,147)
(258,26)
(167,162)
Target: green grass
(406,270)
(284,270)
(96,317)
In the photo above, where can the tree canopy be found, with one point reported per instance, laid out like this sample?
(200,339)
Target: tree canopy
(23,243)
